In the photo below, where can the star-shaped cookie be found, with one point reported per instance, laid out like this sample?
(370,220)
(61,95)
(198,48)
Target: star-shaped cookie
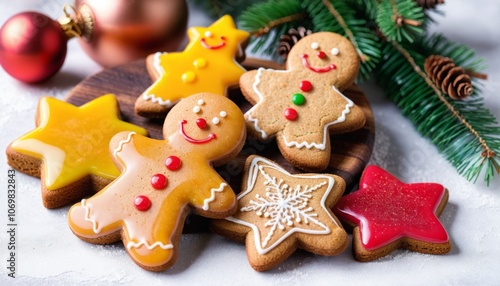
(279,212)
(207,64)
(388,214)
(68,149)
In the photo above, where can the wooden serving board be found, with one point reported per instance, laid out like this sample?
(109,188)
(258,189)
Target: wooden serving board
(350,152)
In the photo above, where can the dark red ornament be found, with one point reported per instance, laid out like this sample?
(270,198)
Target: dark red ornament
(32,47)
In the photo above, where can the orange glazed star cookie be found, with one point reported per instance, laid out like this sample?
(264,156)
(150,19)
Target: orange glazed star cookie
(163,179)
(301,105)
(207,64)
(279,212)
(68,149)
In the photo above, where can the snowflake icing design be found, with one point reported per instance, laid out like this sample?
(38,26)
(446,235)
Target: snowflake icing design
(284,205)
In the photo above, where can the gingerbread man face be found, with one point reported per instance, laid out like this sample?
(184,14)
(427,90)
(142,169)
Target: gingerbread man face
(303,104)
(206,126)
(162,180)
(325,54)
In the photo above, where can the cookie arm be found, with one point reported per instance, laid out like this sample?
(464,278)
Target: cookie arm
(213,198)
(246,84)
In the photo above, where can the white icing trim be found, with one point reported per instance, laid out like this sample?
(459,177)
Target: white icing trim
(255,121)
(157,63)
(206,202)
(252,177)
(322,145)
(158,100)
(88,209)
(159,69)
(53,155)
(149,246)
(123,142)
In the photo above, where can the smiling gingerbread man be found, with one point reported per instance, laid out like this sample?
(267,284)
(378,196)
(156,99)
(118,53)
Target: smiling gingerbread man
(303,104)
(162,180)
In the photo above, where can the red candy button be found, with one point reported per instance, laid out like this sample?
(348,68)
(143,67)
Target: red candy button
(305,85)
(142,203)
(321,55)
(173,163)
(202,123)
(291,114)
(159,181)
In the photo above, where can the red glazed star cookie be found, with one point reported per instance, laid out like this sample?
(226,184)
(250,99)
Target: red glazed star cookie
(68,149)
(163,179)
(303,104)
(279,212)
(388,214)
(207,64)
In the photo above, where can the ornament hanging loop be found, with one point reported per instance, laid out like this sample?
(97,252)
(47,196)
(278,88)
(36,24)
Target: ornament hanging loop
(79,23)
(69,24)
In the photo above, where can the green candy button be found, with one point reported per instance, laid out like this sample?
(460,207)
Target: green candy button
(298,99)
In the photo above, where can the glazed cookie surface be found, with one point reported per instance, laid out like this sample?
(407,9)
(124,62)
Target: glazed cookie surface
(388,214)
(303,104)
(207,64)
(68,149)
(279,212)
(163,179)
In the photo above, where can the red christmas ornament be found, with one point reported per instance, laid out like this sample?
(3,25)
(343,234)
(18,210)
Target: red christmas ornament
(32,47)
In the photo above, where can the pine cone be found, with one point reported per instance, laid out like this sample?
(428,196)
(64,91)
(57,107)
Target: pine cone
(289,39)
(429,4)
(451,79)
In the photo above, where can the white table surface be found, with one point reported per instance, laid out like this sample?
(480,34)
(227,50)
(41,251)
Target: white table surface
(49,254)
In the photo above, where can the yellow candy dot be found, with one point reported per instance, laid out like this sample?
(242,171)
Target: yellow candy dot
(188,77)
(200,63)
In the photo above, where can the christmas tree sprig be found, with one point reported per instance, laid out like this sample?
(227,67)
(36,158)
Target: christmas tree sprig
(393,43)
(465,132)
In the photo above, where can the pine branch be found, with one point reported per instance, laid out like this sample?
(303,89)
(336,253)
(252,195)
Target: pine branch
(268,21)
(219,8)
(465,132)
(400,20)
(338,17)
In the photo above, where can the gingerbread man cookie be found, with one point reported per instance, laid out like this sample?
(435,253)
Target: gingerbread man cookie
(303,104)
(163,179)
(388,214)
(207,64)
(68,149)
(279,212)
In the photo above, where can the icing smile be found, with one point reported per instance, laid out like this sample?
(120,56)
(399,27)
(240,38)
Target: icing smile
(192,140)
(207,46)
(305,62)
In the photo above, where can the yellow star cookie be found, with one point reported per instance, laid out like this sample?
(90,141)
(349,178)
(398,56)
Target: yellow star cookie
(69,148)
(206,65)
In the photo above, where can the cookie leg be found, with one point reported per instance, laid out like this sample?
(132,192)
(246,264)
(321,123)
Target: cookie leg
(84,224)
(157,249)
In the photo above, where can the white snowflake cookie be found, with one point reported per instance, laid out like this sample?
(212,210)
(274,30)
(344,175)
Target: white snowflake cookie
(279,212)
